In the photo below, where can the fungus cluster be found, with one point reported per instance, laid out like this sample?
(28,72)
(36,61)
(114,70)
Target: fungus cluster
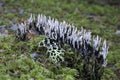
(62,33)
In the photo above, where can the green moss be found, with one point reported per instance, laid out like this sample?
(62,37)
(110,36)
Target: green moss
(109,74)
(15,60)
(68,77)
(68,71)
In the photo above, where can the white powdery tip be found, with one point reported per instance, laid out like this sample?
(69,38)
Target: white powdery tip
(30,20)
(22,28)
(96,42)
(104,53)
(104,49)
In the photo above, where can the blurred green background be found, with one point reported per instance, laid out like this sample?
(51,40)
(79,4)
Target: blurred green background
(102,17)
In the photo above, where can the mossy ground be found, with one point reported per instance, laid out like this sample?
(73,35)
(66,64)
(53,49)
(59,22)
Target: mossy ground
(15,60)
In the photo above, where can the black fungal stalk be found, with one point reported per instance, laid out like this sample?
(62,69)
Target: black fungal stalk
(89,48)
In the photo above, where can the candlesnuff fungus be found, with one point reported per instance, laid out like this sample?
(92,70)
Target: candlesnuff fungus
(62,33)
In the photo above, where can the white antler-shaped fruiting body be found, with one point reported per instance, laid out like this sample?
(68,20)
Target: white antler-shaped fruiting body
(65,33)
(104,52)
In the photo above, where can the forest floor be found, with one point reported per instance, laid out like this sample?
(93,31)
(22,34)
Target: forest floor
(16,62)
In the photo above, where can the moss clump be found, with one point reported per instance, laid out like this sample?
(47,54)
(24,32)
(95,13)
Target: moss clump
(101,20)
